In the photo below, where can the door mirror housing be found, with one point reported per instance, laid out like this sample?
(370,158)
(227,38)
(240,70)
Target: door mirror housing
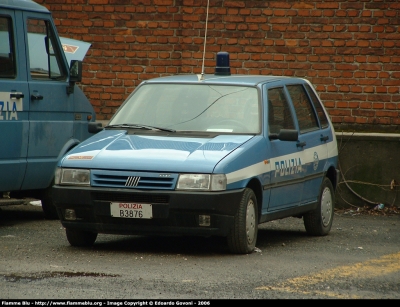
(75,71)
(285,135)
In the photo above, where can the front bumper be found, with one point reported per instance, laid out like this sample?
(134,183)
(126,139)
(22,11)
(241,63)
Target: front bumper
(174,212)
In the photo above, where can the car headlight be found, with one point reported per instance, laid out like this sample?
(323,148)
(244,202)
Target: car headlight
(202,182)
(70,176)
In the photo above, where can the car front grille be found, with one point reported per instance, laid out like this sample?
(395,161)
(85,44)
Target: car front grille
(133,180)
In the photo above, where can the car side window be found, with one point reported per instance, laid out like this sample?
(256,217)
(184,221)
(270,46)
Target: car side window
(7,53)
(303,108)
(279,115)
(323,120)
(45,59)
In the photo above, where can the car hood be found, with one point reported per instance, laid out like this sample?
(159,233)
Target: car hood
(117,150)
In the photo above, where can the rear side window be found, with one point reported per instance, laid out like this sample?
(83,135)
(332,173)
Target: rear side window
(7,54)
(279,115)
(303,107)
(45,59)
(318,107)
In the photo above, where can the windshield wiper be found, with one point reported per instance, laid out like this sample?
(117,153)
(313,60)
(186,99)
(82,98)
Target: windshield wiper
(140,126)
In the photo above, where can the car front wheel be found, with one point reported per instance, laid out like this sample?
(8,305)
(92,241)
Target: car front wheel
(80,238)
(243,235)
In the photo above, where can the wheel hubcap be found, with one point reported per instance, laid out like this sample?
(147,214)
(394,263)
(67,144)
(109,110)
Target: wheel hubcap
(326,206)
(250,221)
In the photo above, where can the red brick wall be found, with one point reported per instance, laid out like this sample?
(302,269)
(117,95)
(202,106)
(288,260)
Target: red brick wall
(350,50)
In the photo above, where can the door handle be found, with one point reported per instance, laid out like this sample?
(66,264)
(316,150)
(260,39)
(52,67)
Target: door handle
(324,138)
(36,97)
(301,144)
(16,95)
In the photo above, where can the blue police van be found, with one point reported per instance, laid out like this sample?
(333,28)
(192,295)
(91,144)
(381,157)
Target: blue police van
(204,155)
(43,113)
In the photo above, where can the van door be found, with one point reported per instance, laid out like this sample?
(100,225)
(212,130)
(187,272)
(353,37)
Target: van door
(14,104)
(51,108)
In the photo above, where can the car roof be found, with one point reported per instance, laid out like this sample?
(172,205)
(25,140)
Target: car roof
(25,5)
(245,80)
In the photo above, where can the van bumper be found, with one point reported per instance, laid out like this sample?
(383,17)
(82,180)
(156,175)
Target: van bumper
(174,212)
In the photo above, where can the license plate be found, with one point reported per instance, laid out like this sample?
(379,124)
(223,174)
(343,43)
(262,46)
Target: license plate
(131,210)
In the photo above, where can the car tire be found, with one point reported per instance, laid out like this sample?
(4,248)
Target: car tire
(243,236)
(49,210)
(318,222)
(80,238)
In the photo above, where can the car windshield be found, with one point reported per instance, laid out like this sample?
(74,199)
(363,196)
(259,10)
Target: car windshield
(189,107)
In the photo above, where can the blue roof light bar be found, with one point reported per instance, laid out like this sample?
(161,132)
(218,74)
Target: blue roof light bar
(223,67)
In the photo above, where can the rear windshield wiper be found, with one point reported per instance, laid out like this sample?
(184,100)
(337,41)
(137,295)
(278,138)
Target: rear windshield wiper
(140,126)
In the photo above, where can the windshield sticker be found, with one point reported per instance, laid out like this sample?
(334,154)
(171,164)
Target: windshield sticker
(69,48)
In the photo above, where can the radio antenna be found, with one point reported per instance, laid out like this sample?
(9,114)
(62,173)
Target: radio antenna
(205,39)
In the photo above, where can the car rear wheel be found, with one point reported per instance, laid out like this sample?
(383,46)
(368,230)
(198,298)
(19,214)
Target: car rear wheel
(48,208)
(318,222)
(243,235)
(80,238)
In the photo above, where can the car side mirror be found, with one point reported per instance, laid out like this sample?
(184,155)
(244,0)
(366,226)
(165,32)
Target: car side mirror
(94,127)
(75,71)
(285,135)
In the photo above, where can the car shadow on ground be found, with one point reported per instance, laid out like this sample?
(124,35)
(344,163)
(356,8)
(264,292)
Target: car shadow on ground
(270,234)
(190,244)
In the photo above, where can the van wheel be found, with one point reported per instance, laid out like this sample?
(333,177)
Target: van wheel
(318,222)
(80,238)
(49,210)
(243,235)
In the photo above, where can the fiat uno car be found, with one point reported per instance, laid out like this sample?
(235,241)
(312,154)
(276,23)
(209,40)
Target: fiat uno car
(204,155)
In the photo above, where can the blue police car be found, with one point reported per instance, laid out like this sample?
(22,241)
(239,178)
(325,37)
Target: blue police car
(207,155)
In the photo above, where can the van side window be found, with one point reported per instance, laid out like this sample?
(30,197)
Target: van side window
(318,107)
(7,54)
(44,55)
(304,109)
(279,115)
